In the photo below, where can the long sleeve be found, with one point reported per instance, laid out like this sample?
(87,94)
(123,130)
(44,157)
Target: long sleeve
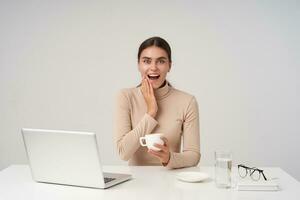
(126,137)
(190,155)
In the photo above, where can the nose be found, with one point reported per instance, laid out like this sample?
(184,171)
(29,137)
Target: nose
(153,66)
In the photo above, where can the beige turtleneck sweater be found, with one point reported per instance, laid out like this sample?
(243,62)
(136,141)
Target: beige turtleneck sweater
(177,118)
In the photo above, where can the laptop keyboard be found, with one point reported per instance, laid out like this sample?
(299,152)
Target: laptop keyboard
(106,179)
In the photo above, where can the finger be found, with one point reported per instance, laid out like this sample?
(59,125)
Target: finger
(147,86)
(143,87)
(142,84)
(155,153)
(166,142)
(161,147)
(151,89)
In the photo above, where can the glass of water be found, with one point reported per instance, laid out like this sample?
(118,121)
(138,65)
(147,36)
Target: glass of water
(223,166)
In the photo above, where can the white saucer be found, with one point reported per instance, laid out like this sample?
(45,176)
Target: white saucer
(192,176)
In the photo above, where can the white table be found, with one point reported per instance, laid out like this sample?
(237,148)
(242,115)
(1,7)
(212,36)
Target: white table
(147,183)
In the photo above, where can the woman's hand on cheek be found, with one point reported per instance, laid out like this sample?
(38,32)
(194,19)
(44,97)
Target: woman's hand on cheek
(148,93)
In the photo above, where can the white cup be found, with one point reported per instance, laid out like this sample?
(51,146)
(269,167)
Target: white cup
(150,140)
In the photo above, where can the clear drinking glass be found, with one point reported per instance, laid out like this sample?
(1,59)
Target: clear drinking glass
(223,167)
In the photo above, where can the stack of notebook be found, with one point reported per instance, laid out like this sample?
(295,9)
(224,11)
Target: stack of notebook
(262,185)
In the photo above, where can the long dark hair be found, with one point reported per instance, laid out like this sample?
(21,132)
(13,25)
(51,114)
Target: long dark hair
(158,42)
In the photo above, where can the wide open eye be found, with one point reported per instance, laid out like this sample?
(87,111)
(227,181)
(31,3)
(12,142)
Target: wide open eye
(162,61)
(147,61)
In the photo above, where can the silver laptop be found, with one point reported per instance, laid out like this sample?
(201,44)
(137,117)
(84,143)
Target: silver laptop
(68,158)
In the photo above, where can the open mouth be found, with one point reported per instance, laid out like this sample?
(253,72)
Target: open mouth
(153,77)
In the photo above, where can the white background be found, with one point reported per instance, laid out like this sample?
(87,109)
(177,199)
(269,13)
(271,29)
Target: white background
(62,63)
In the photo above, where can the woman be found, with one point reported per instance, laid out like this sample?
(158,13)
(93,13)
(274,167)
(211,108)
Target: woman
(157,107)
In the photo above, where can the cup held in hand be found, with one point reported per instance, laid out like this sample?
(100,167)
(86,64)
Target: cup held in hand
(150,140)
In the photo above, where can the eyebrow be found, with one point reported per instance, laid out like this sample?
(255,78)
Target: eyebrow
(159,58)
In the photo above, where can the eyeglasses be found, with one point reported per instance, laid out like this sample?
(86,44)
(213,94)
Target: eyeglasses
(254,173)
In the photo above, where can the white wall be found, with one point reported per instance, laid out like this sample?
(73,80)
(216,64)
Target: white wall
(62,62)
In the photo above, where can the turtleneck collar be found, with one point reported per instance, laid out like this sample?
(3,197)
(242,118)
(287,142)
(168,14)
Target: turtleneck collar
(162,92)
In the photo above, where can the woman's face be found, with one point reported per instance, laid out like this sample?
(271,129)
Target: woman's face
(154,64)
